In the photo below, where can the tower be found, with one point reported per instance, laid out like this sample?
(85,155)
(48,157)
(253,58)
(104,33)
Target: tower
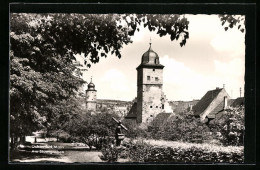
(91,97)
(150,97)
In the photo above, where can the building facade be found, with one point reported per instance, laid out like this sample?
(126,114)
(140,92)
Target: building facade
(212,104)
(91,97)
(150,97)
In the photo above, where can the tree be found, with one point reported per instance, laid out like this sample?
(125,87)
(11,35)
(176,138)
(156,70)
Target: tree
(42,78)
(230,21)
(183,127)
(231,126)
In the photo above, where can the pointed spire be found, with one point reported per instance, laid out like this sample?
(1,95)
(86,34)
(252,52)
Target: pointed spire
(91,79)
(223,86)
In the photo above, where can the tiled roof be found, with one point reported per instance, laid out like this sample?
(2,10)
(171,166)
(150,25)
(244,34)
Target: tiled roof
(238,102)
(219,108)
(183,106)
(132,114)
(205,101)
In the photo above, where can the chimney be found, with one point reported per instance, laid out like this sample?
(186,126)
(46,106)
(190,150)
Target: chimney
(190,107)
(217,88)
(225,102)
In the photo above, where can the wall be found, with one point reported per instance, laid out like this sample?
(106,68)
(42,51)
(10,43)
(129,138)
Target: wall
(152,104)
(91,100)
(149,94)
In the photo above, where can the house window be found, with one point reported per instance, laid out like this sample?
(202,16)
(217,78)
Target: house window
(151,115)
(153,69)
(156,78)
(148,77)
(156,106)
(151,106)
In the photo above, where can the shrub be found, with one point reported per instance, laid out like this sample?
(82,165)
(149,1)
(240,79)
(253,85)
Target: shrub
(184,153)
(183,127)
(231,127)
(139,151)
(110,153)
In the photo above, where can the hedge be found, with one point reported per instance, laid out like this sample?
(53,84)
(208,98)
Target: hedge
(142,152)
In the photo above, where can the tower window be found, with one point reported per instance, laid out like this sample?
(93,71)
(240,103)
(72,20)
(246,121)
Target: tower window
(156,106)
(162,106)
(153,69)
(151,115)
(156,78)
(148,77)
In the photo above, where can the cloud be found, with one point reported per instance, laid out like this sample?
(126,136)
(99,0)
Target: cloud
(139,35)
(176,75)
(233,68)
(116,80)
(231,41)
(181,82)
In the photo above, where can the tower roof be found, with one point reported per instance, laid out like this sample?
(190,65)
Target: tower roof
(150,59)
(91,85)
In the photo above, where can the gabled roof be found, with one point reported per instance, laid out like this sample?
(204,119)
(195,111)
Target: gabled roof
(132,114)
(219,108)
(205,101)
(238,102)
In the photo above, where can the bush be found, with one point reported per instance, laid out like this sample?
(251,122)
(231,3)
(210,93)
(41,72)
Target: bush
(110,153)
(183,127)
(231,127)
(184,153)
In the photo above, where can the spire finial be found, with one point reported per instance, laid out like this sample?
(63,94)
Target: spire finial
(150,42)
(91,79)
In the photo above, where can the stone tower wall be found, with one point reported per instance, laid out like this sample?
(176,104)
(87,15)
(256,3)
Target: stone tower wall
(91,100)
(149,93)
(152,104)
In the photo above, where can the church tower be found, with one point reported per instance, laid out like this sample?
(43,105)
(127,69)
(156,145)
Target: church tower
(150,97)
(91,98)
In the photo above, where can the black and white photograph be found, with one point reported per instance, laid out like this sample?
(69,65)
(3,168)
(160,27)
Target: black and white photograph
(127,88)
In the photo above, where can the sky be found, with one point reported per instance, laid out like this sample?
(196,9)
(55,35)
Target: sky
(211,57)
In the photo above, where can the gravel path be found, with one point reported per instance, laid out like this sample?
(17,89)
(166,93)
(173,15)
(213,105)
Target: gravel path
(68,157)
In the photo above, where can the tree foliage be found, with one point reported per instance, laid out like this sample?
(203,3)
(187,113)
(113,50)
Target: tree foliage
(230,21)
(231,127)
(183,127)
(43,83)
